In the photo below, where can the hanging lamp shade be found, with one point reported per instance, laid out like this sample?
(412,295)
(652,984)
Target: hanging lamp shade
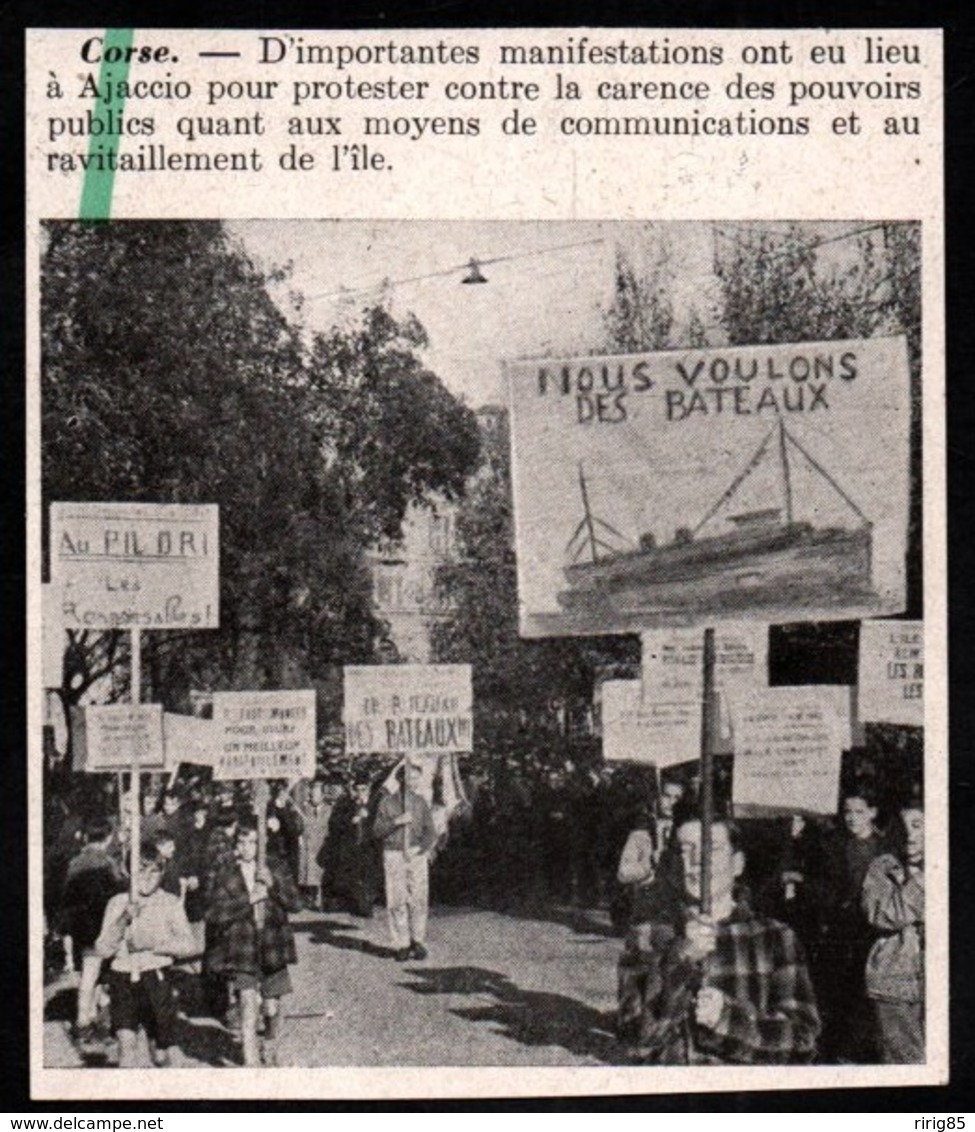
(474,274)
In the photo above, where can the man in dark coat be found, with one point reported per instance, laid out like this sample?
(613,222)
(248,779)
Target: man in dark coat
(284,830)
(192,861)
(350,855)
(252,941)
(93,878)
(845,936)
(219,853)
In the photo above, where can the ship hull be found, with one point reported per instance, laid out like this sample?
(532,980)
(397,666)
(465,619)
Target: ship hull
(798,568)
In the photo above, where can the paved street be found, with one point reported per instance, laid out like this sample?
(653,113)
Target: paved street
(497,989)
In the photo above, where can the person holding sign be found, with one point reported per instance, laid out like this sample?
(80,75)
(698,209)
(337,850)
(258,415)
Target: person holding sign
(405,826)
(252,941)
(731,987)
(143,937)
(893,902)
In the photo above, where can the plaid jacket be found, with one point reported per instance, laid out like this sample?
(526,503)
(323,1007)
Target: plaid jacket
(769,1014)
(234,942)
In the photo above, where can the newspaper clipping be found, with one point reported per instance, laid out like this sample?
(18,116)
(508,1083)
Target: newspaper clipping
(486,538)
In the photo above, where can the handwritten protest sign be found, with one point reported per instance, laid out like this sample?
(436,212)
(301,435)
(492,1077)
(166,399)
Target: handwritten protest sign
(672,659)
(264,734)
(891,674)
(136,565)
(673,669)
(788,744)
(692,487)
(114,736)
(640,729)
(408,709)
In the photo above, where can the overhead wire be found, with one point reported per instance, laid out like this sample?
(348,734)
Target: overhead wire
(348,292)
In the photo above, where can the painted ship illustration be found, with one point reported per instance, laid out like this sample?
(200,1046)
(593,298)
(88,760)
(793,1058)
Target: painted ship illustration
(769,561)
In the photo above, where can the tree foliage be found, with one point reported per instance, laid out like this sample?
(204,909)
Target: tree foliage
(395,432)
(777,286)
(641,315)
(170,375)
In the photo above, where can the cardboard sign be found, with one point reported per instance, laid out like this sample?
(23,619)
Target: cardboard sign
(673,665)
(688,488)
(891,674)
(672,671)
(113,735)
(408,709)
(264,734)
(673,659)
(788,743)
(136,565)
(641,729)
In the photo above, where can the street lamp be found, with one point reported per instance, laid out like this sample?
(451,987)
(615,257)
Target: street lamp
(474,274)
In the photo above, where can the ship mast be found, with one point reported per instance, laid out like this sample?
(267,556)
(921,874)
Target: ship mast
(587,515)
(585,538)
(816,466)
(786,475)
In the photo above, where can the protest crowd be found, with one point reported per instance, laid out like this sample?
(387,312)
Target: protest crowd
(812,950)
(621,686)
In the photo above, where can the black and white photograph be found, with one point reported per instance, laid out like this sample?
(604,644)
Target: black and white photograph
(482,643)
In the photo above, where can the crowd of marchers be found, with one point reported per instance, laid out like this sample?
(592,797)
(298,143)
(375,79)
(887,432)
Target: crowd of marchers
(205,921)
(824,962)
(809,947)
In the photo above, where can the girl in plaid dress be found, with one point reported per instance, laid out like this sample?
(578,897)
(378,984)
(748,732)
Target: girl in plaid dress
(252,940)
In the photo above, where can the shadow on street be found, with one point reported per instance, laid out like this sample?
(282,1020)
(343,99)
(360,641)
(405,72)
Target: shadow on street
(207,1041)
(335,934)
(533,1018)
(582,921)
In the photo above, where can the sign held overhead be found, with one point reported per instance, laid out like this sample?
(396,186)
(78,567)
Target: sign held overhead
(118,737)
(689,488)
(136,565)
(651,731)
(408,709)
(264,734)
(788,747)
(891,673)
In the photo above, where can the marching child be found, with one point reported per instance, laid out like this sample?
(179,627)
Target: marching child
(142,938)
(250,939)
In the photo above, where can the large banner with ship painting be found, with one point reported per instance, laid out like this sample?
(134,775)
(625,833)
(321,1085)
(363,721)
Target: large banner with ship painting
(699,486)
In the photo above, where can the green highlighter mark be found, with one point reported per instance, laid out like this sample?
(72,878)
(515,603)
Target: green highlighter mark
(96,193)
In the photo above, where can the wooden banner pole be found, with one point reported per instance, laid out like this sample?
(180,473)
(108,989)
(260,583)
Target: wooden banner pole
(708,705)
(135,697)
(261,799)
(262,795)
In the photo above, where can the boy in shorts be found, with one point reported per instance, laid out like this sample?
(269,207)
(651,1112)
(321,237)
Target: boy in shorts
(252,940)
(143,937)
